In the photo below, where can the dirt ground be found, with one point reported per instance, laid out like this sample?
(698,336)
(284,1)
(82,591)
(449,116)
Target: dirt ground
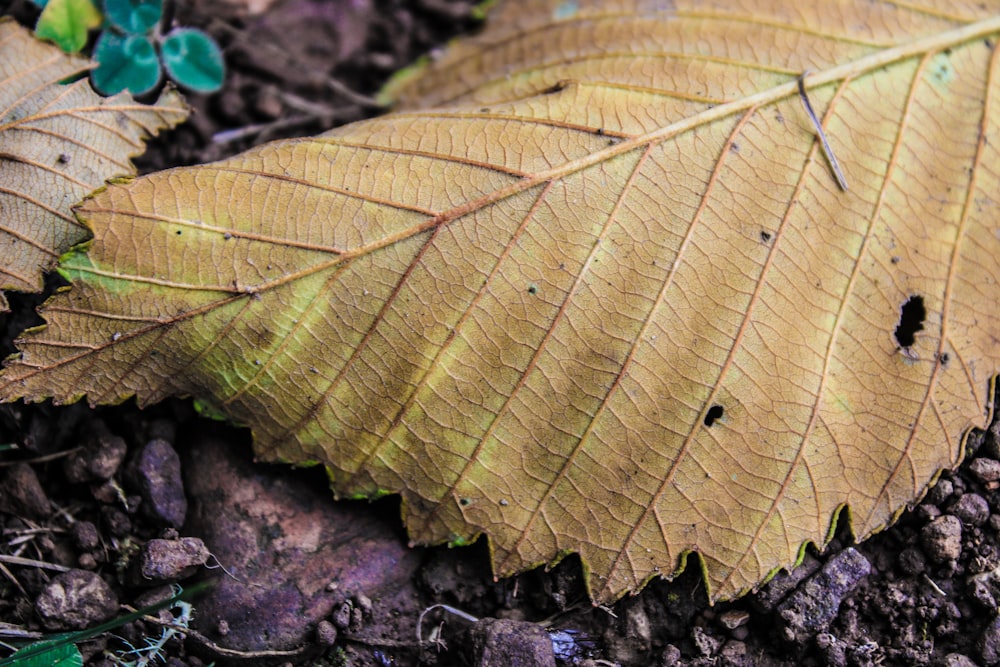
(102,510)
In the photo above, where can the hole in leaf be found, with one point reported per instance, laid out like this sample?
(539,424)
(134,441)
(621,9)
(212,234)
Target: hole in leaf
(532,289)
(911,320)
(464,502)
(714,412)
(765,236)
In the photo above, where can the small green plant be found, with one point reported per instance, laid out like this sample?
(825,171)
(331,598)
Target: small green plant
(61,651)
(131,52)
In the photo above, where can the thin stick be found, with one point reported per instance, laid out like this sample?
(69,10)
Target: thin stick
(31,562)
(827,150)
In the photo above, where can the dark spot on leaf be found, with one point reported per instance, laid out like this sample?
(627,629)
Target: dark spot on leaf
(179,232)
(894,260)
(558,87)
(64,158)
(532,289)
(944,358)
(765,236)
(911,320)
(714,412)
(464,502)
(734,147)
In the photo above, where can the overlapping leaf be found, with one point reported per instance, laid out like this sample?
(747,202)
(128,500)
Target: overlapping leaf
(609,300)
(58,143)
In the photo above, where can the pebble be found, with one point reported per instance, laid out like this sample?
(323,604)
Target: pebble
(814,604)
(942,538)
(155,474)
(706,644)
(991,442)
(497,642)
(957,660)
(671,656)
(75,600)
(784,583)
(984,588)
(989,644)
(97,461)
(972,509)
(326,633)
(985,470)
(166,561)
(84,535)
(734,654)
(940,492)
(21,494)
(342,616)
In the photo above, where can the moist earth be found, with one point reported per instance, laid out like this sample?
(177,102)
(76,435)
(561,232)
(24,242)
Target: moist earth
(104,511)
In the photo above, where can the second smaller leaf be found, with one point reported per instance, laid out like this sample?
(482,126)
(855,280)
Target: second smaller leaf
(193,60)
(126,63)
(135,17)
(66,23)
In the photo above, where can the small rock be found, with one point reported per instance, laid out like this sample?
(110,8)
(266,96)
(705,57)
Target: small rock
(990,446)
(326,633)
(989,644)
(734,618)
(342,616)
(75,600)
(117,522)
(734,654)
(972,509)
(364,603)
(942,538)
(957,660)
(814,604)
(86,561)
(985,470)
(784,583)
(97,461)
(940,492)
(155,474)
(671,656)
(495,642)
(21,493)
(166,561)
(833,650)
(706,644)
(84,535)
(984,588)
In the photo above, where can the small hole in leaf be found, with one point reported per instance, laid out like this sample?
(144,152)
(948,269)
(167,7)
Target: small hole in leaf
(714,412)
(765,236)
(911,320)
(464,502)
(944,358)
(533,289)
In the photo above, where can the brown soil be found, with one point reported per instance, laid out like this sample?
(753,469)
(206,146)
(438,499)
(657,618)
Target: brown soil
(922,593)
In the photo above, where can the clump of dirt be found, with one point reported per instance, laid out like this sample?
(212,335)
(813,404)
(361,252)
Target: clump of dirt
(102,510)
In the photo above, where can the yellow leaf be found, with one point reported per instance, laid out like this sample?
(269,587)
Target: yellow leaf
(608,299)
(58,143)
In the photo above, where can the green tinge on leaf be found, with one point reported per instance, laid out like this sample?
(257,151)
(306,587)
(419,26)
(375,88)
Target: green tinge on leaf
(125,63)
(193,60)
(60,654)
(66,23)
(135,17)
